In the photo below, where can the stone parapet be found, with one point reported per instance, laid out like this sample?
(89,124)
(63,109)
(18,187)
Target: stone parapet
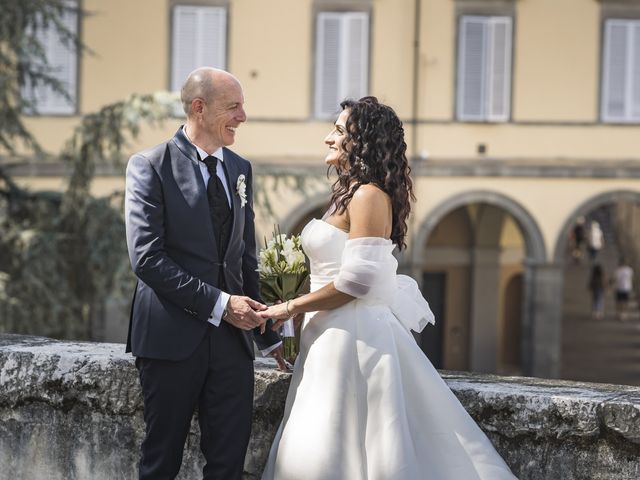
(73,410)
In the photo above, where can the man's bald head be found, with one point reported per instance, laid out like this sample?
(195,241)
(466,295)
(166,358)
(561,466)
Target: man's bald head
(203,83)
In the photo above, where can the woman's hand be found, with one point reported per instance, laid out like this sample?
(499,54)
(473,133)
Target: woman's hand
(275,312)
(280,313)
(297,321)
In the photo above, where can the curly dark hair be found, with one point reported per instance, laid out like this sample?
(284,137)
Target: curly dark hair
(376,154)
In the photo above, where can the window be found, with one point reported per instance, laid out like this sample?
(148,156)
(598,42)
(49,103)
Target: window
(621,71)
(63,62)
(484,69)
(199,39)
(342,59)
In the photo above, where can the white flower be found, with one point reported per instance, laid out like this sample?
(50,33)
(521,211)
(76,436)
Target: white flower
(287,251)
(281,255)
(241,190)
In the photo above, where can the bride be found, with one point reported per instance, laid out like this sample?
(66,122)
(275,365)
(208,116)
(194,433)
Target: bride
(365,403)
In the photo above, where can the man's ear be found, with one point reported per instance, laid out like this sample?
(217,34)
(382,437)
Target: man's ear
(197,106)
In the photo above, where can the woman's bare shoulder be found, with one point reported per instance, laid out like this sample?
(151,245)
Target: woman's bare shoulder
(370,193)
(370,213)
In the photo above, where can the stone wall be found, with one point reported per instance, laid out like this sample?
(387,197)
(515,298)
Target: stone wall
(71,410)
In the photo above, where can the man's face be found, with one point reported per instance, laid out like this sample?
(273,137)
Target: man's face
(224,113)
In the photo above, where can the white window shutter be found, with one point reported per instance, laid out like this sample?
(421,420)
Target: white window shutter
(635,72)
(342,59)
(213,28)
(356,33)
(472,68)
(183,44)
(328,48)
(615,73)
(499,69)
(63,62)
(198,39)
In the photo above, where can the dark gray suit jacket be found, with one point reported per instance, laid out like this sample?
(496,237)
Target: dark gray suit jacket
(173,251)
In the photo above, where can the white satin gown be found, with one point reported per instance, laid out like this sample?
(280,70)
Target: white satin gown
(365,403)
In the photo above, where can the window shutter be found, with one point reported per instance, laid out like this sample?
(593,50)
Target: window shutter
(472,68)
(342,59)
(356,54)
(199,39)
(328,47)
(615,70)
(499,69)
(63,62)
(635,75)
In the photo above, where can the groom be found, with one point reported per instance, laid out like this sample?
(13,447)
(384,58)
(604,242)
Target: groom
(191,241)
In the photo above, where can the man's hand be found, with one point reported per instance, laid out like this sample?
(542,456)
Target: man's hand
(241,312)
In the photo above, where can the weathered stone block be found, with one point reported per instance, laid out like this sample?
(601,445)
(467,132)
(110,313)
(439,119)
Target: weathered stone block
(73,410)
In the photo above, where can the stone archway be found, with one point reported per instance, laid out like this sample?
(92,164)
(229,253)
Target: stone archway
(536,251)
(540,340)
(591,204)
(600,345)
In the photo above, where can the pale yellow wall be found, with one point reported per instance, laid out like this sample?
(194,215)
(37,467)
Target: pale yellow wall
(557,48)
(453,231)
(391,77)
(526,142)
(132,54)
(273,39)
(510,237)
(437,59)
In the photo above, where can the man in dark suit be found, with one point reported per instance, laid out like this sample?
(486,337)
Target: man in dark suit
(191,241)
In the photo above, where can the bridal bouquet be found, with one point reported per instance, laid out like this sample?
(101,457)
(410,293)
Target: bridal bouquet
(282,271)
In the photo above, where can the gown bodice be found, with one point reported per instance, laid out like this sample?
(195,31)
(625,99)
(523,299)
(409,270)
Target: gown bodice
(323,244)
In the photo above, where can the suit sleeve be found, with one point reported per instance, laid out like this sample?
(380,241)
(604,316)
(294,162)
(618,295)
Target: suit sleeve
(144,221)
(250,267)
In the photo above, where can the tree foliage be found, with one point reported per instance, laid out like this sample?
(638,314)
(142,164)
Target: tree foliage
(23,62)
(62,254)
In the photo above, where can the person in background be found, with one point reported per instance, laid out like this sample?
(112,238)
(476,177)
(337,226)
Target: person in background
(578,239)
(596,240)
(596,287)
(623,280)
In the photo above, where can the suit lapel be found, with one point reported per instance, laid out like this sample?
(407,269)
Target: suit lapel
(186,172)
(231,171)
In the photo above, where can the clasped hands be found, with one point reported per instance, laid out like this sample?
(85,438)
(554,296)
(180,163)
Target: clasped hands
(247,314)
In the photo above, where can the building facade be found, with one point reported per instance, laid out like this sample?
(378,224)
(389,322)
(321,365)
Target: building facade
(520,116)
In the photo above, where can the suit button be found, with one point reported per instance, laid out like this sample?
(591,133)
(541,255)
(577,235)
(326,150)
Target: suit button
(224,264)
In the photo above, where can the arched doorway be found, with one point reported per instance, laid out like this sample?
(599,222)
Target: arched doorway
(478,250)
(600,344)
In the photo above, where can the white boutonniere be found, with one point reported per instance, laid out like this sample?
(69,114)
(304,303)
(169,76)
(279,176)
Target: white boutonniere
(241,190)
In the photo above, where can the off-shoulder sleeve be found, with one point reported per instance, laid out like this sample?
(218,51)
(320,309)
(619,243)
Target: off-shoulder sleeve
(368,268)
(368,272)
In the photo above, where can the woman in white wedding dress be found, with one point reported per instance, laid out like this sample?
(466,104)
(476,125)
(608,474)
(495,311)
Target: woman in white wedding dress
(365,403)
